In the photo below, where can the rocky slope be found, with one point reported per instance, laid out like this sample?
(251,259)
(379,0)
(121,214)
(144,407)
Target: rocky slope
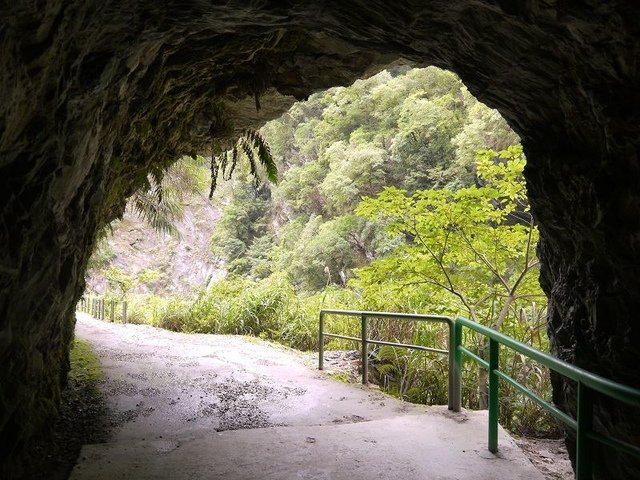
(158,262)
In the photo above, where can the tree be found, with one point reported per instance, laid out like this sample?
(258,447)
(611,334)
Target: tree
(477,244)
(484,129)
(242,221)
(119,282)
(472,250)
(356,170)
(403,127)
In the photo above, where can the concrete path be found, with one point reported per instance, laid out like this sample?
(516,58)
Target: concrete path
(216,406)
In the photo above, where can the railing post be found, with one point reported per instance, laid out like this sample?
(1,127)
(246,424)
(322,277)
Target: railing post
(102,312)
(494,405)
(457,366)
(124,311)
(584,419)
(365,351)
(321,342)
(112,315)
(454,380)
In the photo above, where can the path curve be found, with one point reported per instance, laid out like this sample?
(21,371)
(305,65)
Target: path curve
(220,406)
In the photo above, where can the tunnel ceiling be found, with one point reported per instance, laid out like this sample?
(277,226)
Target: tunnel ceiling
(97,93)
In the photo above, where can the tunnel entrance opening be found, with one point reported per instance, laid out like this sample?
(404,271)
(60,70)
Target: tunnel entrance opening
(84,88)
(288,244)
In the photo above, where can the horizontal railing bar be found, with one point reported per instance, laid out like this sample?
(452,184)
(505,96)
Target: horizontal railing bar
(472,355)
(559,414)
(615,443)
(390,344)
(453,382)
(344,337)
(399,316)
(618,391)
(408,345)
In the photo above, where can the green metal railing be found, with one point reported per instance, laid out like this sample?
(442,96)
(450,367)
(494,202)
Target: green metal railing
(454,382)
(97,307)
(587,382)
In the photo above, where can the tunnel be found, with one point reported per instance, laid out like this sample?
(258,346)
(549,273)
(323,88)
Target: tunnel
(98,94)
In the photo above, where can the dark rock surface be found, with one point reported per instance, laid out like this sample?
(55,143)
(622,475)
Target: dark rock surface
(96,93)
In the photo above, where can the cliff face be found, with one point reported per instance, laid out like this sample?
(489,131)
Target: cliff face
(96,93)
(158,263)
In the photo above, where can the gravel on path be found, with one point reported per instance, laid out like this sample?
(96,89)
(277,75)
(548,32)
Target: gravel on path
(159,382)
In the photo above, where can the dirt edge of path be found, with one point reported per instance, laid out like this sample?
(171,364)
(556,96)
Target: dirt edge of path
(81,420)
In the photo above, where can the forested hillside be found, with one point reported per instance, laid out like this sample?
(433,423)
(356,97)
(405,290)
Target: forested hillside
(411,129)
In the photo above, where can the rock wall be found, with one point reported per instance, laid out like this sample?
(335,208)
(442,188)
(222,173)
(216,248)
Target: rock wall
(97,93)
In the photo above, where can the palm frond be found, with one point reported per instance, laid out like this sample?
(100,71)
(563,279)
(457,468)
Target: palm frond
(234,162)
(159,202)
(259,143)
(244,144)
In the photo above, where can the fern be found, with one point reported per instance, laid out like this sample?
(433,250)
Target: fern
(151,206)
(214,173)
(253,146)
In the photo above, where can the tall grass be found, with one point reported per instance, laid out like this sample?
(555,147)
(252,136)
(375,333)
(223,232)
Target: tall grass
(268,309)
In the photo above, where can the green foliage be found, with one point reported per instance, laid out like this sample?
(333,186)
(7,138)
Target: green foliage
(148,277)
(160,201)
(119,282)
(242,223)
(472,249)
(251,145)
(403,127)
(469,251)
(84,364)
(268,308)
(413,376)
